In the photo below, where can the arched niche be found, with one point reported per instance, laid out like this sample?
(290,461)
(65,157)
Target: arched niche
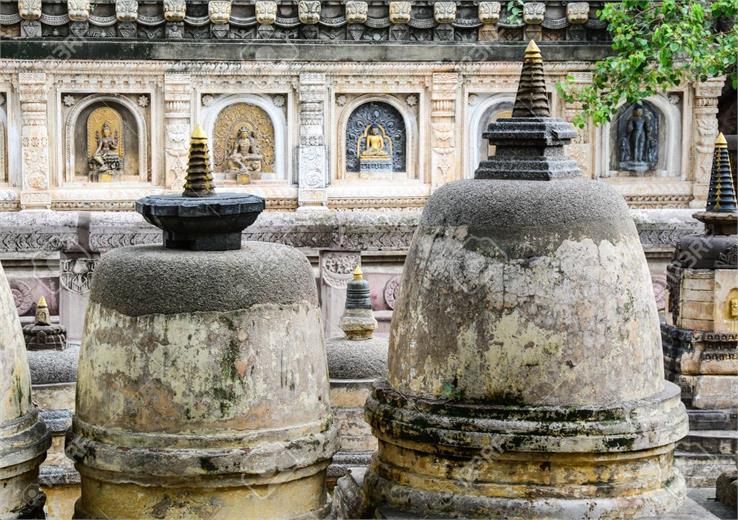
(661,123)
(482,113)
(87,118)
(227,114)
(396,121)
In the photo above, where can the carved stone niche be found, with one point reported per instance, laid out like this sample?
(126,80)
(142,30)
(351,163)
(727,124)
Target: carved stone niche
(356,12)
(266,12)
(244,144)
(105,141)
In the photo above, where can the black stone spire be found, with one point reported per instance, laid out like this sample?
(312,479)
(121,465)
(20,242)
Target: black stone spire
(530,144)
(721,196)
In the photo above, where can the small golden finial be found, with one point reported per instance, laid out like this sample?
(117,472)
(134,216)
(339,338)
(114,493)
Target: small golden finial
(358,275)
(721,142)
(199,180)
(533,53)
(199,133)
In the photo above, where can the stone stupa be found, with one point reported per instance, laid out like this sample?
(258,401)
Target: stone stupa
(525,375)
(202,388)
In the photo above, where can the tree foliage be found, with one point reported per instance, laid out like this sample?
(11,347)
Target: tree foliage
(656,46)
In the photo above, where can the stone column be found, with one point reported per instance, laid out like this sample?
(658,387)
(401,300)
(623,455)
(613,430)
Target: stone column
(35,165)
(177,98)
(705,131)
(443,128)
(312,163)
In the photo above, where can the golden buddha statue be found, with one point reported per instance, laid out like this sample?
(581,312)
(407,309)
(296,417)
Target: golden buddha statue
(376,145)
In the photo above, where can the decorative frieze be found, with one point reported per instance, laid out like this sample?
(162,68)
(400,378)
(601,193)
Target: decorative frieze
(266,12)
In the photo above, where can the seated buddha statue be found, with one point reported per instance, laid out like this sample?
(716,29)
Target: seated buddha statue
(375,146)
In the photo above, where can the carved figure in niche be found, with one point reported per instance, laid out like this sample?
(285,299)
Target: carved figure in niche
(733,308)
(638,139)
(243,134)
(374,150)
(245,158)
(375,139)
(104,145)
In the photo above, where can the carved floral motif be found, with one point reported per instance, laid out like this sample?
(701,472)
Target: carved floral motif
(174,10)
(399,12)
(444,12)
(266,12)
(489,12)
(356,12)
(337,268)
(219,11)
(309,11)
(392,291)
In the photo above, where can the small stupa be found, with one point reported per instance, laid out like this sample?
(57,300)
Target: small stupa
(42,335)
(525,374)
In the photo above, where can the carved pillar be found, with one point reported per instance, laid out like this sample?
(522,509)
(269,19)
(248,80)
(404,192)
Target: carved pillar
(75,278)
(177,97)
(312,164)
(35,165)
(581,148)
(705,130)
(443,128)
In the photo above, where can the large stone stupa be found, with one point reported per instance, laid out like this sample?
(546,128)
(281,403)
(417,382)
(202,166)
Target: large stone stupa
(202,388)
(525,376)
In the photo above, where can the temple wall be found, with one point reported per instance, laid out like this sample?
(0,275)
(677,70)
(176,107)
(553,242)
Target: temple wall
(308,118)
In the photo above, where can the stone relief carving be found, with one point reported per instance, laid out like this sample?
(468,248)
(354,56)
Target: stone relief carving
(577,13)
(22,296)
(356,12)
(219,11)
(399,12)
(126,10)
(76,274)
(337,268)
(392,291)
(444,12)
(533,13)
(29,9)
(228,126)
(78,10)
(309,11)
(367,116)
(175,10)
(266,12)
(489,12)
(105,144)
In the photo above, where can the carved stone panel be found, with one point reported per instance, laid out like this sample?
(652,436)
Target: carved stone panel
(229,123)
(266,12)
(399,12)
(391,124)
(444,12)
(489,12)
(29,9)
(309,11)
(219,11)
(174,10)
(577,12)
(356,12)
(126,10)
(78,10)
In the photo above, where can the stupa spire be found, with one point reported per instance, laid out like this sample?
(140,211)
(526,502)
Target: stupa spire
(199,180)
(721,197)
(532,99)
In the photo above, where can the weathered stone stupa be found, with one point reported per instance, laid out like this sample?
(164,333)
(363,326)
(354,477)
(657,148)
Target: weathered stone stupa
(700,339)
(525,376)
(191,401)
(24,438)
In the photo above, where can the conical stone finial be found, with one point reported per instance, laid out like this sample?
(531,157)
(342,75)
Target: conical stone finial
(358,320)
(532,99)
(721,197)
(199,181)
(42,312)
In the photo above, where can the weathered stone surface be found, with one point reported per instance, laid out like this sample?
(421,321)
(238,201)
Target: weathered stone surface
(192,402)
(24,439)
(726,488)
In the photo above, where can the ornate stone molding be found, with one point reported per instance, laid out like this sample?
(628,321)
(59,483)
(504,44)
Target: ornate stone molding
(175,10)
(705,130)
(177,96)
(266,12)
(35,164)
(309,11)
(356,11)
(337,267)
(312,162)
(443,130)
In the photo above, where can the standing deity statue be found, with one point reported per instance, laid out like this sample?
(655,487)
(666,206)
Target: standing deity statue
(638,141)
